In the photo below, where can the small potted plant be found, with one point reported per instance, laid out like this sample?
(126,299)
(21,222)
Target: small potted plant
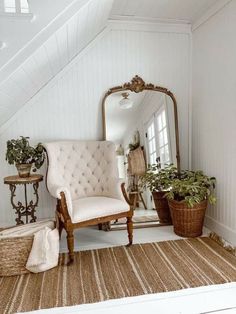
(188,197)
(24,156)
(158,181)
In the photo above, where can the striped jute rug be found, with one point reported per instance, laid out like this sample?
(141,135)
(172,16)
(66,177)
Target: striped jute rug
(111,273)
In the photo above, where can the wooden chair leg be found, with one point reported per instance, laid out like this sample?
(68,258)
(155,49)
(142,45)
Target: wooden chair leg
(108,226)
(130,230)
(142,200)
(60,228)
(99,226)
(70,244)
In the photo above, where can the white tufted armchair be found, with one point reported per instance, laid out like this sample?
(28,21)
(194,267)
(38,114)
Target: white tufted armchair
(83,176)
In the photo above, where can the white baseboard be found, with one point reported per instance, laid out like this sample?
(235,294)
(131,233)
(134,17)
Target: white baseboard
(225,232)
(12,223)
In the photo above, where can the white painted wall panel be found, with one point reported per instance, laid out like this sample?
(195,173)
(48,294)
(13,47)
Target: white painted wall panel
(69,107)
(214,112)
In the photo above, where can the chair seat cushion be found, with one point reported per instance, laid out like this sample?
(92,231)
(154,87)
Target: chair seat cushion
(96,207)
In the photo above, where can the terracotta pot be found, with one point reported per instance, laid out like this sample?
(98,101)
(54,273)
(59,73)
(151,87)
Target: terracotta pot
(23,170)
(162,207)
(188,222)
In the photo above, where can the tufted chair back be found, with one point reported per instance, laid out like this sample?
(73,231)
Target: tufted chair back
(85,168)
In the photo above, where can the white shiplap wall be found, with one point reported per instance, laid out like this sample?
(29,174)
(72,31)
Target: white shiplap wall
(69,107)
(214,112)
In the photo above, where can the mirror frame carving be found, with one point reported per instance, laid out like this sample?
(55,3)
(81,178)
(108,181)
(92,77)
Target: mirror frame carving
(138,85)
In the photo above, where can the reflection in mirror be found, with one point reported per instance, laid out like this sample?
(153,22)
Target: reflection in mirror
(142,125)
(151,114)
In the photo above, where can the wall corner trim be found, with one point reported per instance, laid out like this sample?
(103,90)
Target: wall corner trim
(213,10)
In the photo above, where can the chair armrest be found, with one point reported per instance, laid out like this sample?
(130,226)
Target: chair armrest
(125,195)
(118,190)
(56,190)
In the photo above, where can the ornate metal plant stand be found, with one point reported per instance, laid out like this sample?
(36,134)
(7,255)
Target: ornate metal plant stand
(28,209)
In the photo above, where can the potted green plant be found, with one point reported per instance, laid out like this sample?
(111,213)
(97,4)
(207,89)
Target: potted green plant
(188,197)
(24,156)
(158,181)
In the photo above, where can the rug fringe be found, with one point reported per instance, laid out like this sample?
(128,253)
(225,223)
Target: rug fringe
(228,247)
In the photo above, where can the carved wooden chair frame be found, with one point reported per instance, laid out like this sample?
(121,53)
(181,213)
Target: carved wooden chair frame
(64,221)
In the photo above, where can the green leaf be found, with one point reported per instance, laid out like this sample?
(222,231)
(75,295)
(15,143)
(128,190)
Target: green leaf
(20,151)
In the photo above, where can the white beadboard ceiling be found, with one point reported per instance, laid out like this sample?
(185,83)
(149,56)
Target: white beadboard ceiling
(51,57)
(17,31)
(187,11)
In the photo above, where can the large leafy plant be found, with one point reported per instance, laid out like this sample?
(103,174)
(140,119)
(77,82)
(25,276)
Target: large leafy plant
(188,186)
(157,179)
(19,151)
(192,187)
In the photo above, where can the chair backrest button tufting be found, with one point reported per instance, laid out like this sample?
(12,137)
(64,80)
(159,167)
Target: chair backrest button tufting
(84,167)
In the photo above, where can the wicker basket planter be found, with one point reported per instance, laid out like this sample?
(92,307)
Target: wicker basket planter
(162,207)
(14,254)
(188,222)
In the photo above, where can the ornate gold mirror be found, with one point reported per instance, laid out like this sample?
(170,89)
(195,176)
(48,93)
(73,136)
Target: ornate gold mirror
(142,120)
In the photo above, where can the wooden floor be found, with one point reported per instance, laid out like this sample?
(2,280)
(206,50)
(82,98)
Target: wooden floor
(92,238)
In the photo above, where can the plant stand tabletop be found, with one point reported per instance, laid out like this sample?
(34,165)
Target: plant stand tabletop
(29,207)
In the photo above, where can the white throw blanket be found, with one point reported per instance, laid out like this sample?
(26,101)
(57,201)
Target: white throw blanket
(45,251)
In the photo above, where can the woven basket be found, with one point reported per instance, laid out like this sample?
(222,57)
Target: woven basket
(14,254)
(188,222)
(162,206)
(136,161)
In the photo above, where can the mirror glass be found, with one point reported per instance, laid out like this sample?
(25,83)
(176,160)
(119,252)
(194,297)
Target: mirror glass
(142,125)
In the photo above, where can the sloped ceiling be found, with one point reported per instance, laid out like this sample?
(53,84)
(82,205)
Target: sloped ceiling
(52,56)
(17,31)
